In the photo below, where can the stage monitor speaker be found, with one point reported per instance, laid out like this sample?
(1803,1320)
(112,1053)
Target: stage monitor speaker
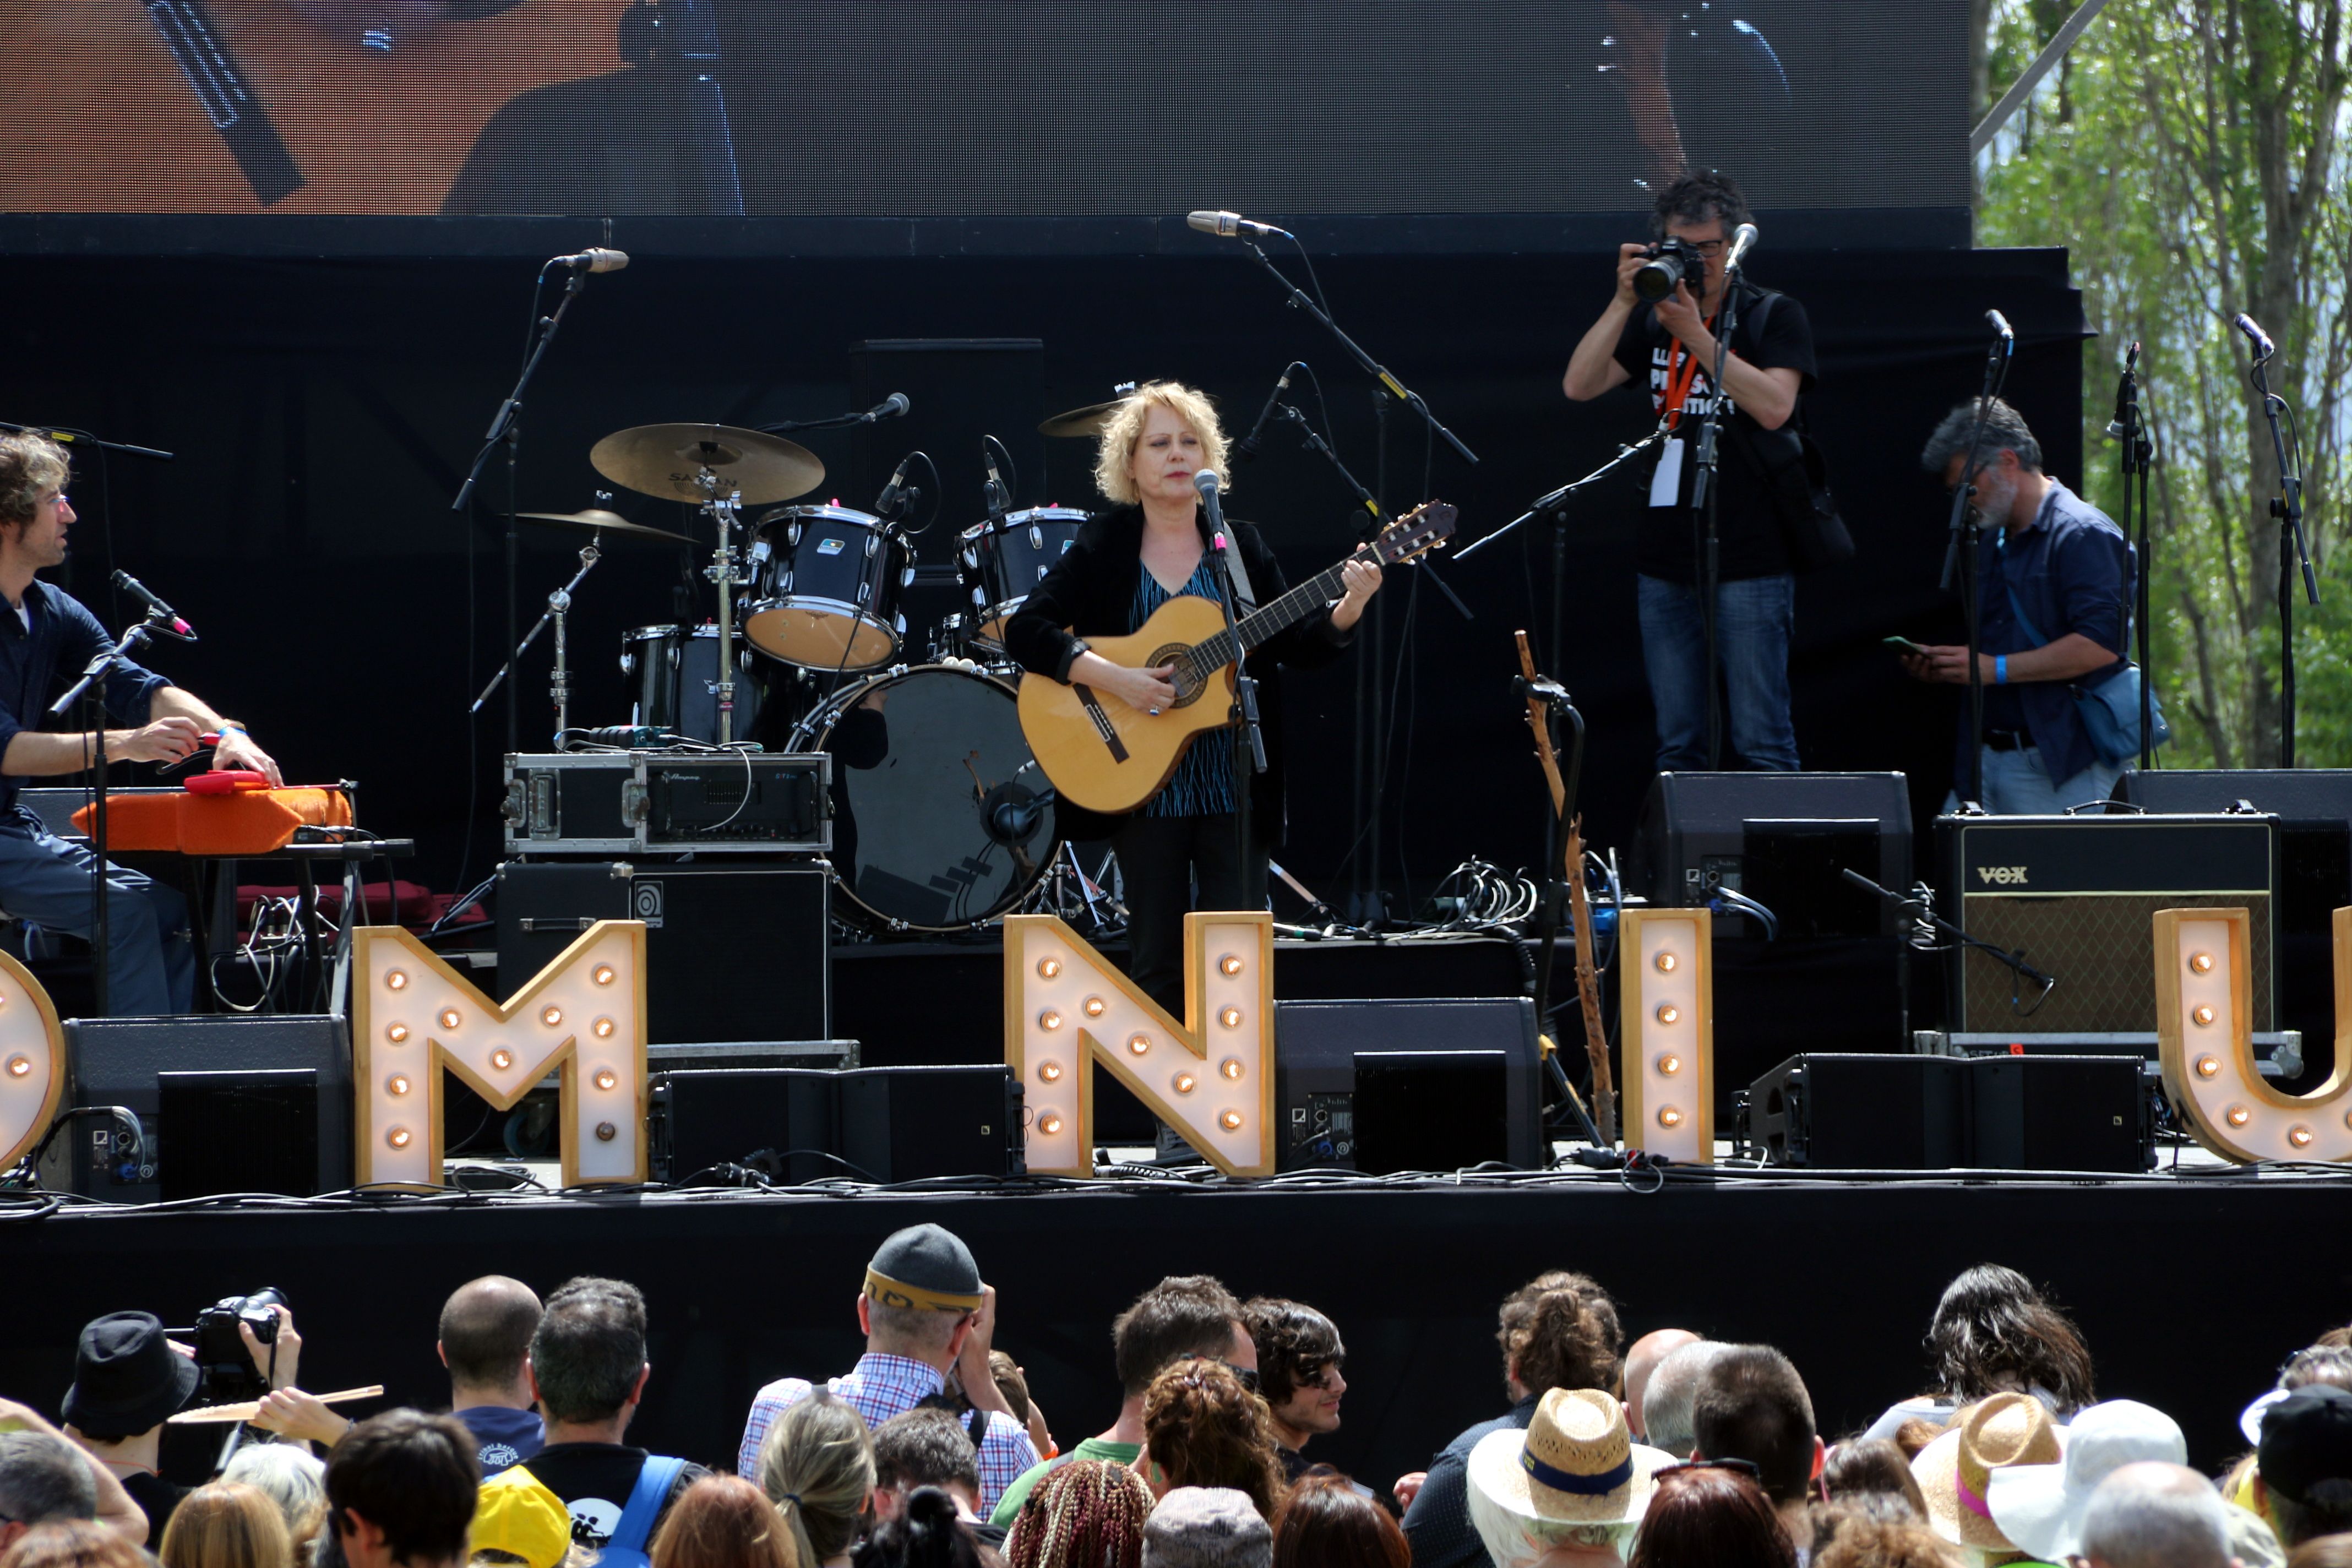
(1363,1080)
(733,952)
(124,1061)
(2078,895)
(1781,839)
(804,1124)
(260,1131)
(902,1124)
(1926,1113)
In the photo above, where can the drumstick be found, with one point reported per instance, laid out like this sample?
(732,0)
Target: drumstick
(250,1408)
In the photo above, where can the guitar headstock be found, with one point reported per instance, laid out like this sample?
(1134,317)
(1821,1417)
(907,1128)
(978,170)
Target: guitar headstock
(1424,528)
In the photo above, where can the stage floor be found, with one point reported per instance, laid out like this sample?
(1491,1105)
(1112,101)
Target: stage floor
(2191,1286)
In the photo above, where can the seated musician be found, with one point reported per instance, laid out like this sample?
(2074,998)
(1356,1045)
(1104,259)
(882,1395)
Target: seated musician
(1126,563)
(45,644)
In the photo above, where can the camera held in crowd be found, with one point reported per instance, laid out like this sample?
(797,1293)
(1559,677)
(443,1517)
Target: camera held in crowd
(1672,261)
(227,1369)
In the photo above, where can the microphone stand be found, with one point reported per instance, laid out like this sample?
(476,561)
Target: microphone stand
(1315,442)
(1249,742)
(1371,367)
(1705,500)
(558,606)
(2287,507)
(1925,920)
(1555,505)
(1965,528)
(2138,454)
(506,427)
(94,725)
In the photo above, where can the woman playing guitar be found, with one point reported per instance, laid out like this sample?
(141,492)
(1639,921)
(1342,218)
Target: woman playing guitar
(1125,564)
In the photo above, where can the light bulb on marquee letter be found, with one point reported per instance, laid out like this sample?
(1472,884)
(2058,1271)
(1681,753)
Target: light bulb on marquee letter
(32,1061)
(2203,1023)
(412,1012)
(1667,1029)
(1051,974)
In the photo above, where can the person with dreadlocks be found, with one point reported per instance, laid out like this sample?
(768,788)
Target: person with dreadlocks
(1088,1513)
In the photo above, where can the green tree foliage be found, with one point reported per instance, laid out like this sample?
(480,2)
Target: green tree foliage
(2192,157)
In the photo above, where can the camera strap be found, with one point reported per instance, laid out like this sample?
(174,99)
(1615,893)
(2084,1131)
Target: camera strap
(1682,368)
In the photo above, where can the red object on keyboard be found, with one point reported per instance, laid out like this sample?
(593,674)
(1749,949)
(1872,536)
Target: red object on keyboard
(224,780)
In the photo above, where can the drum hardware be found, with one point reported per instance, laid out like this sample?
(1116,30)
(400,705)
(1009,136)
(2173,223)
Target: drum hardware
(1094,906)
(559,609)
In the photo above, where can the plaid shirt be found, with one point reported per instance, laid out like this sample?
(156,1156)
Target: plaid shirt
(881,1387)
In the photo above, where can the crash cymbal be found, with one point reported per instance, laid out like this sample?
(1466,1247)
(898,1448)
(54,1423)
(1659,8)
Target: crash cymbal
(1086,422)
(598,520)
(662,461)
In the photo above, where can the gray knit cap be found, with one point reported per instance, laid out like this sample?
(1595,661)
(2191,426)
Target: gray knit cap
(1206,1527)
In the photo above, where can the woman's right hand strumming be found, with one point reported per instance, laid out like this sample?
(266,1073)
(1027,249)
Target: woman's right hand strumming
(1153,691)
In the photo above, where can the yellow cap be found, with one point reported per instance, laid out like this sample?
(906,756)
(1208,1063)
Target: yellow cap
(518,1514)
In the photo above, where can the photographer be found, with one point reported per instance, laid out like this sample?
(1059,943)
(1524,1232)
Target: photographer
(128,1378)
(1769,366)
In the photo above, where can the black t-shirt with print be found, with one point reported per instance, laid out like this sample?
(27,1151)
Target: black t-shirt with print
(1749,536)
(594,1481)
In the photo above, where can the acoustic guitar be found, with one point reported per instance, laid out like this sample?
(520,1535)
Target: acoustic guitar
(1104,755)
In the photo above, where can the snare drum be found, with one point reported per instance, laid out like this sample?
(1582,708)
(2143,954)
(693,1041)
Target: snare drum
(942,819)
(673,682)
(829,588)
(1003,560)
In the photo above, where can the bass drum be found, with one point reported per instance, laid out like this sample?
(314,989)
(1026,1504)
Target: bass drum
(942,819)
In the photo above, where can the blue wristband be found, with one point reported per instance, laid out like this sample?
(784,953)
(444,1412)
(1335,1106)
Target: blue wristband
(2000,669)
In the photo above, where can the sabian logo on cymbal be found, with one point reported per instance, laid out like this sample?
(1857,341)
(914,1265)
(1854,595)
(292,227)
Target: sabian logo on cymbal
(2007,876)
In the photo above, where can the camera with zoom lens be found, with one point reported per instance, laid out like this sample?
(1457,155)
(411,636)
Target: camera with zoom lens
(1671,261)
(226,1369)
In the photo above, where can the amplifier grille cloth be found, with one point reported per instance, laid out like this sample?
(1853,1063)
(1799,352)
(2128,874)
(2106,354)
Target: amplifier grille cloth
(2102,951)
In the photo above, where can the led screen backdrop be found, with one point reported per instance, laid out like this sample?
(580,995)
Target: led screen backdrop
(969,108)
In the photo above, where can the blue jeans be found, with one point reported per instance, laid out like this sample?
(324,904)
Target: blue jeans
(1754,619)
(45,882)
(2016,786)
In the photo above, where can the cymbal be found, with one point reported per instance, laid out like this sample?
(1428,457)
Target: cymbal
(1086,422)
(597,518)
(662,461)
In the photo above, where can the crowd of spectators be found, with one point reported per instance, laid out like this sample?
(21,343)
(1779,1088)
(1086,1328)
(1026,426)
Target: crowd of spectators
(931,1452)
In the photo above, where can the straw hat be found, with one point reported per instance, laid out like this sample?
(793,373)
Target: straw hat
(1575,1464)
(1955,1470)
(2041,1507)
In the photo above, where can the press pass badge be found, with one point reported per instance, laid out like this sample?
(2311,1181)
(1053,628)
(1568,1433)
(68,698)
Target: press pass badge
(1666,483)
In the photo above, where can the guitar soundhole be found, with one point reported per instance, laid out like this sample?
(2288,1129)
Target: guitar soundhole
(1189,684)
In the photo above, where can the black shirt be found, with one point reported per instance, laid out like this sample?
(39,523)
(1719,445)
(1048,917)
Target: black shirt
(594,1481)
(36,664)
(156,1498)
(1747,534)
(1438,1523)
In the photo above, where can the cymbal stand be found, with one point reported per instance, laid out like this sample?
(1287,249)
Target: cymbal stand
(722,510)
(559,607)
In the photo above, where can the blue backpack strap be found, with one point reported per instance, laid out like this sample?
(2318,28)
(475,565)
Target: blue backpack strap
(659,1473)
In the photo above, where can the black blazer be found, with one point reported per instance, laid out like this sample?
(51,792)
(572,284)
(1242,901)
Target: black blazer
(1090,593)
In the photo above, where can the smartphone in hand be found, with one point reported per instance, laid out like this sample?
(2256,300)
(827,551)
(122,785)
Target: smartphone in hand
(1904,644)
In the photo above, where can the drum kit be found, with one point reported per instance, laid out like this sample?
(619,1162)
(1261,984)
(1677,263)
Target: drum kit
(942,819)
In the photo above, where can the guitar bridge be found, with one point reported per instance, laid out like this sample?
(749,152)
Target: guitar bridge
(1102,722)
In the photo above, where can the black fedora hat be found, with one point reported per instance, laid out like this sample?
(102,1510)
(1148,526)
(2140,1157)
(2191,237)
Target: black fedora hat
(127,1377)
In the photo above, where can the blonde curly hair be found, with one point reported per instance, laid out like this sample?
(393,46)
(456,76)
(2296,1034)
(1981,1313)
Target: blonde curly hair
(1115,457)
(30,466)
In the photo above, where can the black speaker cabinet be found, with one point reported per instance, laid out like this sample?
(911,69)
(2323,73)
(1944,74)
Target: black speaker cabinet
(802,1124)
(297,1072)
(1409,1085)
(2079,895)
(1781,839)
(1926,1113)
(733,952)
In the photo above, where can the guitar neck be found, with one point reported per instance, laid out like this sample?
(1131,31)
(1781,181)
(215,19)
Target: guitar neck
(1268,620)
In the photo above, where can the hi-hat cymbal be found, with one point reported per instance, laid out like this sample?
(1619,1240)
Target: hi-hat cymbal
(1086,422)
(597,520)
(662,461)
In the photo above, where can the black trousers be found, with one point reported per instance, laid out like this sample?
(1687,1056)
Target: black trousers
(1172,865)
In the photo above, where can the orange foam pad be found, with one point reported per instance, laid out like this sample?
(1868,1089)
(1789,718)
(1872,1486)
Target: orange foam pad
(250,822)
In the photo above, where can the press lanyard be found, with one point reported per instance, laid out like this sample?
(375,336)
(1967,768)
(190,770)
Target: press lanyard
(1678,390)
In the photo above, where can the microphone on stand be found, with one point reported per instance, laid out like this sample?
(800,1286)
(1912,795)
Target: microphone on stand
(595,258)
(999,503)
(1246,448)
(2263,347)
(885,505)
(2000,325)
(889,407)
(1230,226)
(1207,482)
(2127,396)
(157,607)
(1743,241)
